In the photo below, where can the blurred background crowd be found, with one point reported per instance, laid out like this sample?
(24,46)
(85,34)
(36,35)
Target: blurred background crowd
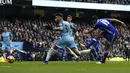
(37,40)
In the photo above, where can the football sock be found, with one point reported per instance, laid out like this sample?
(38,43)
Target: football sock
(85,51)
(5,55)
(49,54)
(63,52)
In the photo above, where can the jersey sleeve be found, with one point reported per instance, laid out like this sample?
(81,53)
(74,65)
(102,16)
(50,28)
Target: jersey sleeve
(60,24)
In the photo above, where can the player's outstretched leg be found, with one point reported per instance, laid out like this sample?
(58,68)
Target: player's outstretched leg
(49,53)
(92,42)
(79,53)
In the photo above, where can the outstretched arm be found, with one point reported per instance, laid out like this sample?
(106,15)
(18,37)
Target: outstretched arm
(89,32)
(116,20)
(58,28)
(55,28)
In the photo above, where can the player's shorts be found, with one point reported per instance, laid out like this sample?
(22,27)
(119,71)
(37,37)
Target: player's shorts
(66,42)
(110,37)
(55,41)
(6,47)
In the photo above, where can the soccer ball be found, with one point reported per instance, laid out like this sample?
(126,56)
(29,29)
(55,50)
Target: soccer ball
(10,59)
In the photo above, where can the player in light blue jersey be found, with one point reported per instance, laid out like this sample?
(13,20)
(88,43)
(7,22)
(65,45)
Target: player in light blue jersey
(6,42)
(108,31)
(69,19)
(66,40)
(62,48)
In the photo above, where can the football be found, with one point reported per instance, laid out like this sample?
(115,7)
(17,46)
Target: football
(10,59)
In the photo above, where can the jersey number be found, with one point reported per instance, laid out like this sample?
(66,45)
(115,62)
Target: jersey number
(66,28)
(105,22)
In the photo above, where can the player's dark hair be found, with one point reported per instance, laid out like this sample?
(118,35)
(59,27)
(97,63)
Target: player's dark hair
(94,17)
(59,14)
(69,16)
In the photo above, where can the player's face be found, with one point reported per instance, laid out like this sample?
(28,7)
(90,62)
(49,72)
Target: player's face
(5,29)
(69,19)
(57,18)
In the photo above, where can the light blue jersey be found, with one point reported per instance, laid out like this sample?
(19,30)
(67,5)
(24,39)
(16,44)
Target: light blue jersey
(73,26)
(67,29)
(6,37)
(66,34)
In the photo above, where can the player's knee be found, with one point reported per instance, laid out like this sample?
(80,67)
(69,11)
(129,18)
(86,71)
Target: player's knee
(54,46)
(75,51)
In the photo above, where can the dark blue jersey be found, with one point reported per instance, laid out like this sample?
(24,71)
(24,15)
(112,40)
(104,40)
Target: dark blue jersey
(105,25)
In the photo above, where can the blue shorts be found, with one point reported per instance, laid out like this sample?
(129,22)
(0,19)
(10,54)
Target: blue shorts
(110,37)
(6,47)
(66,42)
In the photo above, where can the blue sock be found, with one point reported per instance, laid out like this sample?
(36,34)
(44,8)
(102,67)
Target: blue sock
(63,52)
(91,43)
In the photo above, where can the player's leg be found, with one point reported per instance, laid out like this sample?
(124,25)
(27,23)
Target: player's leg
(49,53)
(76,56)
(4,51)
(9,51)
(80,53)
(73,47)
(63,54)
(58,44)
(92,42)
(110,39)
(96,50)
(106,53)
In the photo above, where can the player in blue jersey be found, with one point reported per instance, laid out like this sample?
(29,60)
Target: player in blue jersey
(66,40)
(108,31)
(6,42)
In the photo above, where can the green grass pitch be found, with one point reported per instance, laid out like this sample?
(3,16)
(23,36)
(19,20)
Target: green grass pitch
(65,67)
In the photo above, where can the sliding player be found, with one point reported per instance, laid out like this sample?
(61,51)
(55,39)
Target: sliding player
(66,34)
(108,31)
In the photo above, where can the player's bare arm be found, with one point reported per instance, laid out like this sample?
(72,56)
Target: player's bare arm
(58,28)
(116,20)
(88,32)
